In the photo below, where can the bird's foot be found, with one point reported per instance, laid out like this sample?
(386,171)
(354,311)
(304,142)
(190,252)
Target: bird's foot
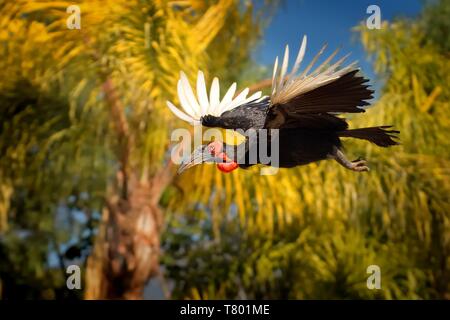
(359,165)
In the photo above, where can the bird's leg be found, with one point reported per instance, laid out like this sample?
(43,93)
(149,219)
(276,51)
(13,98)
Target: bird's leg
(356,165)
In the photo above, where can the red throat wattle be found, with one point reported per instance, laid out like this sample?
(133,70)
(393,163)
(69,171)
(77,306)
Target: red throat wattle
(227,166)
(215,148)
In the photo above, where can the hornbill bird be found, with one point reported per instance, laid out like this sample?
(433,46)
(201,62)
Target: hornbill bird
(303,106)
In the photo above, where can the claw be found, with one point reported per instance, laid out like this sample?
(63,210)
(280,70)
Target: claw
(360,168)
(358,165)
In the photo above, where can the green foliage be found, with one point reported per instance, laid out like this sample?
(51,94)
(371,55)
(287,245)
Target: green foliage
(301,263)
(436,24)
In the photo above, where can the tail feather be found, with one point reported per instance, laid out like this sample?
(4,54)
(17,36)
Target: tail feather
(378,135)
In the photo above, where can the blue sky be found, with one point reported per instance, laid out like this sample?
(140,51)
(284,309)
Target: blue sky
(325,21)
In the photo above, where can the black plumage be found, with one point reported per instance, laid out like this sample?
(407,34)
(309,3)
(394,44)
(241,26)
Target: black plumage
(308,129)
(304,109)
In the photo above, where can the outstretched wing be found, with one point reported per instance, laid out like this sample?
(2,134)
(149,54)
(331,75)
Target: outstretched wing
(311,100)
(197,107)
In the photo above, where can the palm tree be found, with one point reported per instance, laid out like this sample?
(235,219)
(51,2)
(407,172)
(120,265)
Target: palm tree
(97,96)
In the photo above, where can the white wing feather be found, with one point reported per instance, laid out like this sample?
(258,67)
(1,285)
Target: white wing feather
(189,95)
(274,76)
(201,93)
(179,114)
(284,67)
(300,56)
(214,97)
(201,105)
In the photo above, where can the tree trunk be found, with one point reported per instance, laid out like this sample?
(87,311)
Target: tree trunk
(126,250)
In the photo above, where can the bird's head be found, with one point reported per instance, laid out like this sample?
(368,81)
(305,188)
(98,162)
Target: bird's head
(214,152)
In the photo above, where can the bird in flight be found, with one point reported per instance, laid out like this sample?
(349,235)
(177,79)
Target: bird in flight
(303,106)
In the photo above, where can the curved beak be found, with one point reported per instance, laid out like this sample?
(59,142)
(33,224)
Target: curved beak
(198,156)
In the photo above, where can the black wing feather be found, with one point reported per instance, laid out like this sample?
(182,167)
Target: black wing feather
(312,109)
